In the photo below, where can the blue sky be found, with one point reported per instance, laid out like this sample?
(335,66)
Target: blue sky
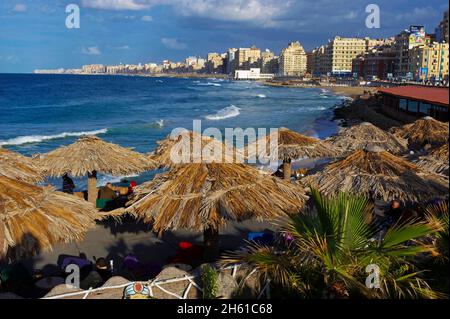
(33,33)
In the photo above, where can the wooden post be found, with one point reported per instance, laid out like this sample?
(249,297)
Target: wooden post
(211,244)
(287,169)
(92,187)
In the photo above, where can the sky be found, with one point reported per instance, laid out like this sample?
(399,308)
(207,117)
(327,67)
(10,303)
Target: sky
(33,33)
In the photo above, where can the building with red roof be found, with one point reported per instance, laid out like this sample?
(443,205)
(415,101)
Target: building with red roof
(407,103)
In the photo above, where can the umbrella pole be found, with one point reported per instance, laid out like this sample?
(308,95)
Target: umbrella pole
(211,244)
(287,169)
(92,187)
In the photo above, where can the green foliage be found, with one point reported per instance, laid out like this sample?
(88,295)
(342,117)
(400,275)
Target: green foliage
(333,243)
(210,282)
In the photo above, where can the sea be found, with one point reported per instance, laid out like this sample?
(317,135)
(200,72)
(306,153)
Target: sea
(39,113)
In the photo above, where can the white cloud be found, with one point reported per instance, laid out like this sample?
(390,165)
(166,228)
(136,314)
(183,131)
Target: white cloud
(123,47)
(225,10)
(91,50)
(20,8)
(174,44)
(115,4)
(147,18)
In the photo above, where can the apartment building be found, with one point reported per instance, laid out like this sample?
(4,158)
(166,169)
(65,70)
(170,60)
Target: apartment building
(429,62)
(293,60)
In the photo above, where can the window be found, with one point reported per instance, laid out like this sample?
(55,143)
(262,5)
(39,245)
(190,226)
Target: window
(425,108)
(413,106)
(403,104)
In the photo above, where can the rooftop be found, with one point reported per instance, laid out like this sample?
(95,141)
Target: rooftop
(435,95)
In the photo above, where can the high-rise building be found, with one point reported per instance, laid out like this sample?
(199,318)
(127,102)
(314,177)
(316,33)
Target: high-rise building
(442,30)
(317,61)
(292,60)
(246,58)
(429,61)
(269,62)
(230,64)
(214,63)
(341,52)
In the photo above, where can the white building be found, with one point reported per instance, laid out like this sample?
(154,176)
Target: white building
(252,74)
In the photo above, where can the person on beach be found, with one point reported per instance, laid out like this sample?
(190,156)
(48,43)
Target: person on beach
(68,184)
(98,276)
(394,213)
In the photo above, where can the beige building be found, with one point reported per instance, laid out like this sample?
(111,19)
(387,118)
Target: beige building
(247,58)
(214,63)
(317,61)
(293,60)
(93,68)
(429,61)
(269,62)
(341,52)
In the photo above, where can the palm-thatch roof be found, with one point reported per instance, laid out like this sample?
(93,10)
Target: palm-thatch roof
(200,196)
(90,153)
(34,218)
(19,167)
(290,145)
(182,149)
(366,135)
(436,160)
(423,131)
(379,174)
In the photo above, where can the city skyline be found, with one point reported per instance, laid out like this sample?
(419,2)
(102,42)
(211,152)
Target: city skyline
(143,31)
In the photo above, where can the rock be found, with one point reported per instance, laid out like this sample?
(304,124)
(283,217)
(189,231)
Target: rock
(227,286)
(62,289)
(179,287)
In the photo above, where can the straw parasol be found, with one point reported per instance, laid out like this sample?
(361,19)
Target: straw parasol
(192,147)
(423,131)
(204,197)
(435,161)
(19,167)
(287,145)
(365,135)
(378,174)
(89,155)
(34,218)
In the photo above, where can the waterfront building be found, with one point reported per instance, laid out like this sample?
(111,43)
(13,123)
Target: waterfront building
(94,69)
(409,103)
(215,63)
(252,74)
(269,62)
(377,64)
(247,58)
(340,53)
(293,60)
(230,60)
(430,62)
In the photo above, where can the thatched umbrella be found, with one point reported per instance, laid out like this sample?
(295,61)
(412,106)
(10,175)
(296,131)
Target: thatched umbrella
(34,218)
(365,135)
(378,174)
(89,155)
(19,167)
(423,131)
(435,161)
(287,145)
(192,147)
(204,197)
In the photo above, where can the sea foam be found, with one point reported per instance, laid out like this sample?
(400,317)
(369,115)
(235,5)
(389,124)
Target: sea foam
(20,140)
(225,113)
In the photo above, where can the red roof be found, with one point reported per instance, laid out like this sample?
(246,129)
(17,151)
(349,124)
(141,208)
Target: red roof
(434,95)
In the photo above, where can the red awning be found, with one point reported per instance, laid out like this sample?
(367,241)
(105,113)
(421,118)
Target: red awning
(433,95)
